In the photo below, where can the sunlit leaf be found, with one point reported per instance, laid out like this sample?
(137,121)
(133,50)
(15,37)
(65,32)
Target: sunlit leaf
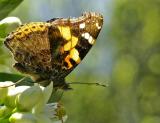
(7,25)
(6,6)
(14,78)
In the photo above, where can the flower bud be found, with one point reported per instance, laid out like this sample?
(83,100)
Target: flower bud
(12,94)
(29,98)
(47,91)
(23,118)
(8,24)
(5,111)
(4,90)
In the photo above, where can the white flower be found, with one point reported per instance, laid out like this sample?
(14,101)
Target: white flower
(4,91)
(10,20)
(28,104)
(23,117)
(47,91)
(12,95)
(56,112)
(29,98)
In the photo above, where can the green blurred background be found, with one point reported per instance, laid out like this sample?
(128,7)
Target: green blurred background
(126,57)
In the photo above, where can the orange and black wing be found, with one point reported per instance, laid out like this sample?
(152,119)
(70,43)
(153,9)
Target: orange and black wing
(51,50)
(71,39)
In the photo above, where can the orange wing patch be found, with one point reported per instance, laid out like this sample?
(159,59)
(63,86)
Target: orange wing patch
(69,46)
(74,55)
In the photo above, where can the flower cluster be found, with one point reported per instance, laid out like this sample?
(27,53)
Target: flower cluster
(28,104)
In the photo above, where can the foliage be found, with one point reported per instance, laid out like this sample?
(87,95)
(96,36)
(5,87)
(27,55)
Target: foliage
(6,26)
(27,104)
(6,6)
(136,71)
(9,77)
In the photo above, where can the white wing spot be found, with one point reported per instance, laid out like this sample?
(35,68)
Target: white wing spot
(88,37)
(97,25)
(91,40)
(82,25)
(82,34)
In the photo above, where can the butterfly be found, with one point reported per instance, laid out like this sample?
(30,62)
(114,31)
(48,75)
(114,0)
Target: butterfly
(49,51)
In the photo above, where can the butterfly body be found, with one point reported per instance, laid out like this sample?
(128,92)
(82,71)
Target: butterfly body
(49,51)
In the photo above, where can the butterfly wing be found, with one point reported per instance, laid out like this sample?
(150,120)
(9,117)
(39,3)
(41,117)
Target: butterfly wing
(30,47)
(51,50)
(71,39)
(53,19)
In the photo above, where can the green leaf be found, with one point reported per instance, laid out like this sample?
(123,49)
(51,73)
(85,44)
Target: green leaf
(9,77)
(8,24)
(4,120)
(14,78)
(6,6)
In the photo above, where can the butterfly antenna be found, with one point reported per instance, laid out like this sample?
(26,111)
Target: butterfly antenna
(89,83)
(12,84)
